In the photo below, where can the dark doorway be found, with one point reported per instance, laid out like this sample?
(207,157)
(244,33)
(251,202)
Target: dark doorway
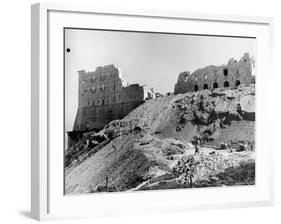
(205,86)
(215,85)
(196,88)
(237,83)
(226,84)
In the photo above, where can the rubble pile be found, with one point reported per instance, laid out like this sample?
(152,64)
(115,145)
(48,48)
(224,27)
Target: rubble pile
(140,151)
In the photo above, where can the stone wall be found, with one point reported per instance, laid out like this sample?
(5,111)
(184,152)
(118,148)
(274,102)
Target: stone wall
(104,96)
(231,75)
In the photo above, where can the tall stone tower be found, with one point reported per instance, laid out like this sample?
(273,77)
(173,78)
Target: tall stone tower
(104,96)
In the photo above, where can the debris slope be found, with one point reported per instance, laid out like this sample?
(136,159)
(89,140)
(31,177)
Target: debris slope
(141,151)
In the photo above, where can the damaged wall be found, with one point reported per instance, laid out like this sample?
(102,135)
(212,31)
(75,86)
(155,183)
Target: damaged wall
(211,77)
(104,96)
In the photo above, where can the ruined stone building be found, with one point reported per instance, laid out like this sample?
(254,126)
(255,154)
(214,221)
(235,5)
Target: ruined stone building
(211,77)
(104,96)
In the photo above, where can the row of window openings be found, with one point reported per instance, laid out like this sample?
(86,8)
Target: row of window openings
(107,110)
(225,72)
(101,88)
(215,85)
(86,80)
(102,101)
(103,77)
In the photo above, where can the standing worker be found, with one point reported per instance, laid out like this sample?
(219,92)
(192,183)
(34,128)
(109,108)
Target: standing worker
(114,148)
(197,147)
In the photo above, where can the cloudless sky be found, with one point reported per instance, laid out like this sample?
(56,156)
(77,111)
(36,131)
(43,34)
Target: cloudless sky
(145,58)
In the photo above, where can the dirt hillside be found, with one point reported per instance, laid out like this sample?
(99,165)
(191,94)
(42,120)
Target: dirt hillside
(140,151)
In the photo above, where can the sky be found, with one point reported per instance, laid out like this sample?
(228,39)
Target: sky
(147,58)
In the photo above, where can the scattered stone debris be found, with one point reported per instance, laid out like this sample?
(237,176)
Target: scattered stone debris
(237,146)
(141,149)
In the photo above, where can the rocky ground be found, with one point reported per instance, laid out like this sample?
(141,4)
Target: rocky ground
(153,146)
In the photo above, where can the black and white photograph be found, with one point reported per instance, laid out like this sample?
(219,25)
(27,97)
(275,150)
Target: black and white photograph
(157,111)
(144,111)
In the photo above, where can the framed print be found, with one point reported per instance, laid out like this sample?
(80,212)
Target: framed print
(148,111)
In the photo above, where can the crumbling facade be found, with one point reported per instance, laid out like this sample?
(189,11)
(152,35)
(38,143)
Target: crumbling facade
(104,96)
(231,75)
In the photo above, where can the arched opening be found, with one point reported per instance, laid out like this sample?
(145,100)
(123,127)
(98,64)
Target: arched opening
(102,102)
(226,84)
(237,83)
(205,86)
(215,85)
(196,88)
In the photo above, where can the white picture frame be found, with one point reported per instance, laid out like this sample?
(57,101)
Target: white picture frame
(47,198)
